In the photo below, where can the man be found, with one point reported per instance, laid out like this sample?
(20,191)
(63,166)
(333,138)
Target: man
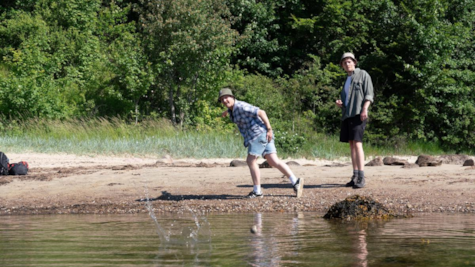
(258,138)
(356,96)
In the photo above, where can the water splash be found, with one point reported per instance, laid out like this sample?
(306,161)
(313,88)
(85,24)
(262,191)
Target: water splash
(189,228)
(164,237)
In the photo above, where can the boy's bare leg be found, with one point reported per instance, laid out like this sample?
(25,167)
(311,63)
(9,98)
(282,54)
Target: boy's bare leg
(254,168)
(297,183)
(274,161)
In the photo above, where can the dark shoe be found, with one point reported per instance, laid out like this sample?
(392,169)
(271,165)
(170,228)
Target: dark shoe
(352,182)
(360,183)
(298,187)
(254,195)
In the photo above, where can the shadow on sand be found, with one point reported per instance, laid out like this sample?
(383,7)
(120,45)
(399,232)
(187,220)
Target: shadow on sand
(287,185)
(168,196)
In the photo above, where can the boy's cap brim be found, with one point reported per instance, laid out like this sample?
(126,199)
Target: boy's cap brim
(348,55)
(224,92)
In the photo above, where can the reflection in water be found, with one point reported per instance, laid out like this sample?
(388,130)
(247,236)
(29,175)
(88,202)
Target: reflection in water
(303,239)
(267,248)
(355,235)
(264,251)
(361,250)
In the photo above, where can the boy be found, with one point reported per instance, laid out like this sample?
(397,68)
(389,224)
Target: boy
(258,138)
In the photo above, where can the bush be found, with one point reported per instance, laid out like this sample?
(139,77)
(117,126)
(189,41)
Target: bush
(289,142)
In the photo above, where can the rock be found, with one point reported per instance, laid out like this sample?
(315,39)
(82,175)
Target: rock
(426,160)
(454,159)
(293,163)
(469,162)
(238,163)
(410,166)
(205,165)
(375,162)
(167,159)
(161,163)
(336,164)
(358,207)
(394,161)
(264,165)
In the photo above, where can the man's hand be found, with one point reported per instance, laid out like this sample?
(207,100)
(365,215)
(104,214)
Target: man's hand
(364,114)
(364,110)
(339,103)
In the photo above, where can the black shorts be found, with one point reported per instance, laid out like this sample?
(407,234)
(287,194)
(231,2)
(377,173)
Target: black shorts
(352,129)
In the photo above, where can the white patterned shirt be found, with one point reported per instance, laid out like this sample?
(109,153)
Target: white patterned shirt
(246,118)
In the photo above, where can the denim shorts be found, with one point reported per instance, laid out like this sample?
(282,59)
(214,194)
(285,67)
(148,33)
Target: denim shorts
(260,146)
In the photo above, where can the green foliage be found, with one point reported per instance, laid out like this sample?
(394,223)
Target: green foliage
(258,47)
(210,119)
(290,143)
(189,43)
(139,59)
(264,93)
(426,83)
(133,73)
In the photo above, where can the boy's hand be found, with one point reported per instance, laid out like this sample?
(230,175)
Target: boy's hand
(269,135)
(224,114)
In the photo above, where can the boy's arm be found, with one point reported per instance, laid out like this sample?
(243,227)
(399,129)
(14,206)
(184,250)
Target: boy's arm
(224,114)
(262,114)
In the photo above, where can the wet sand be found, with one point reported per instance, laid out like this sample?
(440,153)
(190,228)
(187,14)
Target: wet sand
(69,184)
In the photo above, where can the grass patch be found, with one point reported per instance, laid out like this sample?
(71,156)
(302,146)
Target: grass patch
(116,137)
(159,138)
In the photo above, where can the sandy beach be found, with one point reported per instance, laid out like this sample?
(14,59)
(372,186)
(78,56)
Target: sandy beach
(70,184)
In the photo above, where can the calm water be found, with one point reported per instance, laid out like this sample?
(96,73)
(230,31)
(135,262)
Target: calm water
(302,239)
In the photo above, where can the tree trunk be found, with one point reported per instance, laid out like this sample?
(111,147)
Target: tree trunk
(136,112)
(172,105)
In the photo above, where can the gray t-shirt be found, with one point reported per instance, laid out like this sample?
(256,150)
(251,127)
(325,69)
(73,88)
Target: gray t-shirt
(347,89)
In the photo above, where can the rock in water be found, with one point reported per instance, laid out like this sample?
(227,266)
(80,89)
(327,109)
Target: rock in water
(358,207)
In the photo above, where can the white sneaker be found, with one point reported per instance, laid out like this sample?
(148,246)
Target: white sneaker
(254,195)
(298,187)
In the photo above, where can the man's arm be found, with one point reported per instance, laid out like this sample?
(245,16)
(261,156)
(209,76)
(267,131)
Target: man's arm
(364,111)
(369,96)
(262,114)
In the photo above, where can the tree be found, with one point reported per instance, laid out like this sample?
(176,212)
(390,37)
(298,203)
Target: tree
(132,75)
(422,64)
(189,42)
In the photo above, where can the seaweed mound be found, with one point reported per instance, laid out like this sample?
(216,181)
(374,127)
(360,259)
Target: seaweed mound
(358,207)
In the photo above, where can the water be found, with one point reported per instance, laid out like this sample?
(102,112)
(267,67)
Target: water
(187,239)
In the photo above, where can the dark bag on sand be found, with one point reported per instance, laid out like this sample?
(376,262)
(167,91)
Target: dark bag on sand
(3,164)
(20,168)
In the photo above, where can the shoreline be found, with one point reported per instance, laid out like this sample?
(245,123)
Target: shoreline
(70,184)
